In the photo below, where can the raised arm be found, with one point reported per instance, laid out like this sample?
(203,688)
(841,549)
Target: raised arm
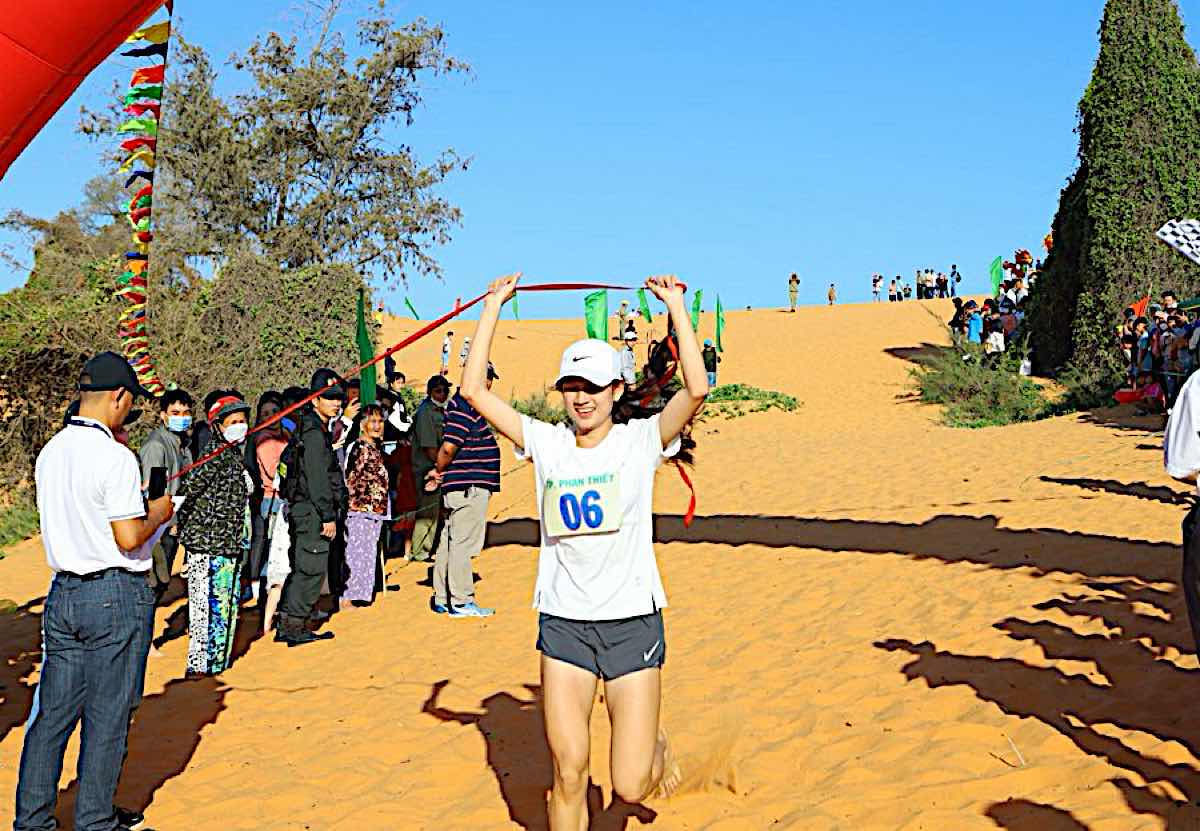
(495,409)
(688,401)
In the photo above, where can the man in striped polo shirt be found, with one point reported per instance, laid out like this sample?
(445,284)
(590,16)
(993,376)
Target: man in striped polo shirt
(468,468)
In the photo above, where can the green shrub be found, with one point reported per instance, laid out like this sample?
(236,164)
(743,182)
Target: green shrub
(1087,389)
(18,521)
(975,394)
(734,400)
(411,398)
(540,406)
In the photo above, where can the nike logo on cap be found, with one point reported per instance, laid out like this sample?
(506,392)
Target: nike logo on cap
(578,359)
(646,656)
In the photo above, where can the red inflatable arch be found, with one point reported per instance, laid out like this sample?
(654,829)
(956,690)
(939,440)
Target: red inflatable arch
(46,50)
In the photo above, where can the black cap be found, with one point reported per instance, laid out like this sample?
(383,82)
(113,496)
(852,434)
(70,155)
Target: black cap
(435,382)
(109,371)
(329,381)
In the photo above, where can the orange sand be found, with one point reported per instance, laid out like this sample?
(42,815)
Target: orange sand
(877,623)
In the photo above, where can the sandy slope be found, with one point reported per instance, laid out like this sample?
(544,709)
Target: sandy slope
(877,623)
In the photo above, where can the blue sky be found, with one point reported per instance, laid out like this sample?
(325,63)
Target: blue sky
(727,143)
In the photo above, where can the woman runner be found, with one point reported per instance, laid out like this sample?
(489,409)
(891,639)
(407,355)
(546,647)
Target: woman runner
(598,592)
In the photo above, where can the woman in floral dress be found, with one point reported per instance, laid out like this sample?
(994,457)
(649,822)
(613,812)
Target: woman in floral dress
(367,482)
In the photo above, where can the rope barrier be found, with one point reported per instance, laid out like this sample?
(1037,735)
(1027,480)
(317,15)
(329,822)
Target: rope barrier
(458,309)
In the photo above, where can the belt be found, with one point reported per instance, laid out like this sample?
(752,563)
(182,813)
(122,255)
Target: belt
(97,575)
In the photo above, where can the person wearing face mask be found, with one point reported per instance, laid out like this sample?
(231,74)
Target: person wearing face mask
(428,425)
(598,591)
(315,490)
(214,527)
(167,447)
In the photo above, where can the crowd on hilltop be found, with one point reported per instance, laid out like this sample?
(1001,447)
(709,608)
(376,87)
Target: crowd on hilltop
(1160,348)
(926,284)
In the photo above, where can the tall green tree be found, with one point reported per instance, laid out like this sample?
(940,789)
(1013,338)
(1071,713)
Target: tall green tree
(307,166)
(1139,166)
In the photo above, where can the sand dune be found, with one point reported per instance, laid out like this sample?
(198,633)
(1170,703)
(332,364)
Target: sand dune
(877,623)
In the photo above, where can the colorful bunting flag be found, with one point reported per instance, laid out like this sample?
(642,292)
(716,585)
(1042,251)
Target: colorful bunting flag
(148,75)
(158,33)
(156,50)
(142,102)
(145,156)
(143,108)
(142,125)
(138,93)
(134,143)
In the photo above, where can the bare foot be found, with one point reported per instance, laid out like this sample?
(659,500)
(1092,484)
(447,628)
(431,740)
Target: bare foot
(346,604)
(155,652)
(672,776)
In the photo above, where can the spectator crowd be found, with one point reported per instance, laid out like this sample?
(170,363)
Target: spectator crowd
(1160,347)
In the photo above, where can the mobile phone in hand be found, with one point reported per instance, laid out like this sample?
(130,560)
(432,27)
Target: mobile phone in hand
(158,483)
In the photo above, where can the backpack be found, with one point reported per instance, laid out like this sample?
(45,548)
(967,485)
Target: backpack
(291,469)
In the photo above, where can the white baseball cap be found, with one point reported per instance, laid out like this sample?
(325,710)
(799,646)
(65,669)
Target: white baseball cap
(592,360)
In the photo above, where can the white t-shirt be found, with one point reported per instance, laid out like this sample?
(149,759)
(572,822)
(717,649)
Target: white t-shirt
(446,345)
(85,480)
(599,576)
(1181,439)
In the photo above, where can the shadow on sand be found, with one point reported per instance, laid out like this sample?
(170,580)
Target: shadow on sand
(514,732)
(155,755)
(1141,490)
(1135,595)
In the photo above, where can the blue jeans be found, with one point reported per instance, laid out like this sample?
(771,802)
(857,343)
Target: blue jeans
(95,638)
(712,379)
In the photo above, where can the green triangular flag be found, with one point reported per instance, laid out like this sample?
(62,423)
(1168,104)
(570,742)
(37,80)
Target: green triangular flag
(595,314)
(720,324)
(997,271)
(145,124)
(697,305)
(144,91)
(408,303)
(366,351)
(516,308)
(644,305)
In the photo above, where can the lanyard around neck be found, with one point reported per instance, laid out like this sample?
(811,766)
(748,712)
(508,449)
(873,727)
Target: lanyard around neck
(79,422)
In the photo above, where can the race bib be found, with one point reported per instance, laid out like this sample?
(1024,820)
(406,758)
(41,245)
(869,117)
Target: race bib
(581,505)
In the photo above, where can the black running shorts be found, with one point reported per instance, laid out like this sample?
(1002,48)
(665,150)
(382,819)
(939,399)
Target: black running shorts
(606,648)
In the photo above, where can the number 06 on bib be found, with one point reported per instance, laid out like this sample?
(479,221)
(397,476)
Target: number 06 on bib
(589,504)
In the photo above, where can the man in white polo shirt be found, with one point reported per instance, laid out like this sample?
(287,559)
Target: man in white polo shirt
(98,615)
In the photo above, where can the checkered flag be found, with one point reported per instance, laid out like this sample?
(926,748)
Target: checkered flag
(1184,236)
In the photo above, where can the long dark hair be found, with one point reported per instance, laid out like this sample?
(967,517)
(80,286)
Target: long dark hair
(268,397)
(649,397)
